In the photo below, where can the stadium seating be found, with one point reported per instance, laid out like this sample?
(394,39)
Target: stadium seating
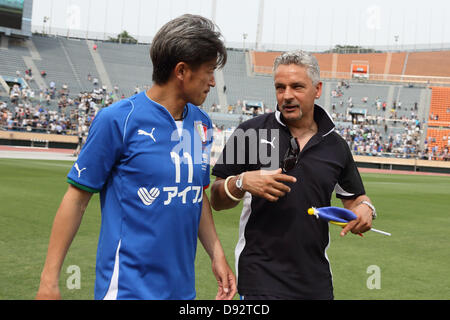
(382,66)
(11,60)
(242,86)
(248,76)
(81,60)
(433,63)
(440,106)
(438,137)
(128,65)
(339,64)
(55,63)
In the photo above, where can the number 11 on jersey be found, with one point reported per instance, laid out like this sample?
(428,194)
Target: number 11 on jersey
(177,161)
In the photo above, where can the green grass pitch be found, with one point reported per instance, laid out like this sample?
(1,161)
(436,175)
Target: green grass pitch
(412,264)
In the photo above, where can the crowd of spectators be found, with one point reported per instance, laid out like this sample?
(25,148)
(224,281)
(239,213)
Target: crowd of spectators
(51,110)
(368,140)
(56,111)
(378,128)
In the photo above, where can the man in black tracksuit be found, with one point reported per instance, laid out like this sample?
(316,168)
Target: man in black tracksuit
(281,164)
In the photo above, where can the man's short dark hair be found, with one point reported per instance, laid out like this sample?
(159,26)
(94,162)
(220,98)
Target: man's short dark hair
(189,38)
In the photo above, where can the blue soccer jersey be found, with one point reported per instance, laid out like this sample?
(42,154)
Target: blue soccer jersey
(151,184)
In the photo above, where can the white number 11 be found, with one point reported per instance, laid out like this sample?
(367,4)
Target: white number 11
(177,162)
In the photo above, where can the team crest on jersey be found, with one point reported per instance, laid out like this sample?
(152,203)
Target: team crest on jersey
(202,130)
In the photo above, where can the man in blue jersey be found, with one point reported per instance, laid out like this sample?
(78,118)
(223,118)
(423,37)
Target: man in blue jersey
(148,156)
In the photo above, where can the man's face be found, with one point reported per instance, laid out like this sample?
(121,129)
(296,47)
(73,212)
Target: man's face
(295,91)
(198,82)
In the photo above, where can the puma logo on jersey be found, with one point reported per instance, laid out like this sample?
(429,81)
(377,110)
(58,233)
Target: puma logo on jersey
(269,142)
(148,197)
(145,133)
(78,169)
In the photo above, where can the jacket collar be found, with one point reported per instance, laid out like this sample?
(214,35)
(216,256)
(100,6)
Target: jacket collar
(323,119)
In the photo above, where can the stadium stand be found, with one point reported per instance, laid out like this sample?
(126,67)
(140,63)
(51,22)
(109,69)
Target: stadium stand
(383,115)
(54,61)
(339,64)
(80,61)
(11,59)
(128,66)
(438,132)
(438,143)
(414,67)
(242,85)
(433,63)
(440,106)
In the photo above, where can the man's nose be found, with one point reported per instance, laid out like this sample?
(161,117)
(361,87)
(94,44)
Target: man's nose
(288,94)
(212,82)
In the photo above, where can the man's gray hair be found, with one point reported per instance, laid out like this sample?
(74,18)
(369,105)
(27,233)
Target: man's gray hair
(303,59)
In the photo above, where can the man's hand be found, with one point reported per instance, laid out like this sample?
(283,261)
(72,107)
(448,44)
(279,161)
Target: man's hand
(208,237)
(226,280)
(362,223)
(267,184)
(48,292)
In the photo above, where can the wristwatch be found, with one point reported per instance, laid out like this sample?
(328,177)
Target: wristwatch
(374,211)
(239,181)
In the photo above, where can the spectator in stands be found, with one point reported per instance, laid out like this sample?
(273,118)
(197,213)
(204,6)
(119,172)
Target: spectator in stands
(185,52)
(28,75)
(4,117)
(281,250)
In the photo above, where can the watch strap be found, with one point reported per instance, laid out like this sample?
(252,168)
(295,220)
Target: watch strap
(371,206)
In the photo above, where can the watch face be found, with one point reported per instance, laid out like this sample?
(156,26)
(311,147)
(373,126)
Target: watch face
(239,183)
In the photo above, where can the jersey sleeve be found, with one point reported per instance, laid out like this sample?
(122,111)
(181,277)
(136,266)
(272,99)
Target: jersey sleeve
(101,151)
(350,184)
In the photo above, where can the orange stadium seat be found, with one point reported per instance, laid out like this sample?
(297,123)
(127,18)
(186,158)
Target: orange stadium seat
(440,107)
(434,63)
(325,61)
(339,64)
(263,61)
(397,63)
(376,61)
(438,137)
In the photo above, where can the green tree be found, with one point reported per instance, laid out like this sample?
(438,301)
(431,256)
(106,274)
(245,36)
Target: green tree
(123,37)
(350,49)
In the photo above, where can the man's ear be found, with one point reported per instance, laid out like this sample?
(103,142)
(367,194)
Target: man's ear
(180,70)
(318,89)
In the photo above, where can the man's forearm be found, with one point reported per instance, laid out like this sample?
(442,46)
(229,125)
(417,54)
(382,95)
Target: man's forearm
(207,231)
(65,226)
(352,203)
